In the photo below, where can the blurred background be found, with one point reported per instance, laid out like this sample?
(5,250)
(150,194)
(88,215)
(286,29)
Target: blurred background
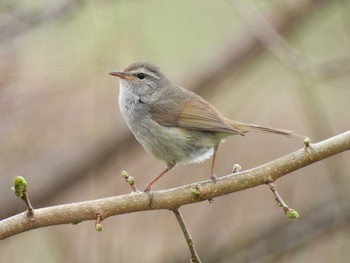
(276,63)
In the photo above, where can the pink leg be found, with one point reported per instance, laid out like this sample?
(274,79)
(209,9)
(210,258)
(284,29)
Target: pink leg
(212,176)
(150,184)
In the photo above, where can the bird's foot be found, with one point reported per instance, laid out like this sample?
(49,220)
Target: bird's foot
(149,192)
(213,178)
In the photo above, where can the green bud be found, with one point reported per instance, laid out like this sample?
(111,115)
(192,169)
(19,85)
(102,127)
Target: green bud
(19,186)
(292,214)
(307,142)
(236,168)
(98,227)
(124,174)
(131,180)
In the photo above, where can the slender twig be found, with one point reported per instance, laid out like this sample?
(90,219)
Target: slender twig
(278,198)
(98,225)
(174,198)
(30,209)
(130,180)
(290,213)
(20,189)
(194,255)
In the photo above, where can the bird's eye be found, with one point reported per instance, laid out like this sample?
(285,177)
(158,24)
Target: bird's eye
(141,75)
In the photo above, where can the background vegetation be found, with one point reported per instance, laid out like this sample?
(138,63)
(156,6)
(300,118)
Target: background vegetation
(60,126)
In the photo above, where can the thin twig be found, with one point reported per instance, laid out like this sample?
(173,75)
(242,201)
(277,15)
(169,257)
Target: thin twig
(130,180)
(194,256)
(30,209)
(98,225)
(278,198)
(290,213)
(20,188)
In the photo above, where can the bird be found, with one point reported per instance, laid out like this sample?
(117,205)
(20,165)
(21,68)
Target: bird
(172,123)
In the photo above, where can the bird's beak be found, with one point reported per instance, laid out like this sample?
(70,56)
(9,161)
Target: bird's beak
(120,74)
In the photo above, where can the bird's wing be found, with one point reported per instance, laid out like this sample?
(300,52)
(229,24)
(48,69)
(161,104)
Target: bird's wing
(191,113)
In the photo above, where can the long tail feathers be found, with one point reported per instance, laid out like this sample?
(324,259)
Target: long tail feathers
(245,127)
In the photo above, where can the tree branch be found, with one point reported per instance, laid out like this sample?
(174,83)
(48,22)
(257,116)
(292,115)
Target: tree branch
(174,198)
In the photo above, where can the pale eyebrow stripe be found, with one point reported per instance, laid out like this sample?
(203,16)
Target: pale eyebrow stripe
(145,71)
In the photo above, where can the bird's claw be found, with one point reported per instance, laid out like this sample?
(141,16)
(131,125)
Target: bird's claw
(149,192)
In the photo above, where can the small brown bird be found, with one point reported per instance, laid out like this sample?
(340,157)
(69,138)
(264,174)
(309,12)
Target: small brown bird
(174,124)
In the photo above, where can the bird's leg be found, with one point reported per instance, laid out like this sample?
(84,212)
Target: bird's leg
(150,184)
(212,176)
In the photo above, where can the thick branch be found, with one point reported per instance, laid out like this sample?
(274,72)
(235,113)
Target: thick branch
(176,197)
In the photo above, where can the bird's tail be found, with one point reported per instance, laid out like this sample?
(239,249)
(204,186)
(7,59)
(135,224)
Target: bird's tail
(245,127)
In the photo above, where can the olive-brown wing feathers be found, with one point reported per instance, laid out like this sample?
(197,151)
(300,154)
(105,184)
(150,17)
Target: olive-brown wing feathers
(194,114)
